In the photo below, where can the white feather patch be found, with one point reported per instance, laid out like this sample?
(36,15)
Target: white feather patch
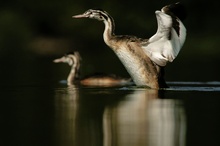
(160,48)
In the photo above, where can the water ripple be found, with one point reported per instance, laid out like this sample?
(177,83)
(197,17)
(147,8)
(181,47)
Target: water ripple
(194,86)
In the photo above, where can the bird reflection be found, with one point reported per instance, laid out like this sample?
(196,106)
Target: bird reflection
(118,118)
(166,123)
(145,119)
(66,106)
(79,115)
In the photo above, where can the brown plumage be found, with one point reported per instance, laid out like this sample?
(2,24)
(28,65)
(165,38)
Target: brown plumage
(144,59)
(106,80)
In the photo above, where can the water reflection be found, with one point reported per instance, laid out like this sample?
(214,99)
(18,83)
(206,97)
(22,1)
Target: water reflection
(144,119)
(137,117)
(166,123)
(65,114)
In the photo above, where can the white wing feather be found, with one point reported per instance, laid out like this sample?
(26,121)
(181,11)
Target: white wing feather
(159,47)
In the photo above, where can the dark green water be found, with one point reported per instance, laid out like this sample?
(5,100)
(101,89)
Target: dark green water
(187,114)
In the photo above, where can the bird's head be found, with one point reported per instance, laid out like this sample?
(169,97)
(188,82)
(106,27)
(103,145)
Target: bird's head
(69,58)
(97,14)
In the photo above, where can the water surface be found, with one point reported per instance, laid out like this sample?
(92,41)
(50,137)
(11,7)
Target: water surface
(186,114)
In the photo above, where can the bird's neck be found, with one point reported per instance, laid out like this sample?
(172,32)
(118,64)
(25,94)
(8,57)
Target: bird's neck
(109,30)
(74,74)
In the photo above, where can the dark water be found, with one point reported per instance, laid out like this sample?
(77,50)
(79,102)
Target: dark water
(186,114)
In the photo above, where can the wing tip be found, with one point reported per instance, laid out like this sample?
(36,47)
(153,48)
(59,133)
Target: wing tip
(177,9)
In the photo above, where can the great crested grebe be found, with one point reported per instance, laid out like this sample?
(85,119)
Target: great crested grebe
(145,59)
(73,59)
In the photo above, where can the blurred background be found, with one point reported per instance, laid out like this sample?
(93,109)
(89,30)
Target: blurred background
(33,33)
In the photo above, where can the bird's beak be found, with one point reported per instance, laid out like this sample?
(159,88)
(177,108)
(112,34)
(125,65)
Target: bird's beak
(81,16)
(58,60)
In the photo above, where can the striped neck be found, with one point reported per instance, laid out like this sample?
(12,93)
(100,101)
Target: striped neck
(109,28)
(74,72)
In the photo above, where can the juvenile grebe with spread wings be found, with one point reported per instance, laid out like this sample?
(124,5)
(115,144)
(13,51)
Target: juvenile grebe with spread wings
(144,59)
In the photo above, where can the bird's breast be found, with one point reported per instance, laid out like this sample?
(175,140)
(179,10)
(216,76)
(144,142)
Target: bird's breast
(140,68)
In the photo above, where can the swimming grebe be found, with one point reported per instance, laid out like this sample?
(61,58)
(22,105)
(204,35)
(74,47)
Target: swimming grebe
(144,59)
(73,59)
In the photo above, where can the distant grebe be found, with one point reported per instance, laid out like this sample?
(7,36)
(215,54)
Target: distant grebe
(73,59)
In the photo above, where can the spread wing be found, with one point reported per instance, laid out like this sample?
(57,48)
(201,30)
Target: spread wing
(165,45)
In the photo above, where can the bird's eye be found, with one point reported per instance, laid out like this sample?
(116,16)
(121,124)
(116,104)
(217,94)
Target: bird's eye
(87,13)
